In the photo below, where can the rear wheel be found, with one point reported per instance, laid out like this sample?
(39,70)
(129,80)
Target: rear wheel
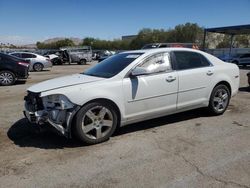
(7,78)
(95,122)
(219,100)
(83,61)
(38,67)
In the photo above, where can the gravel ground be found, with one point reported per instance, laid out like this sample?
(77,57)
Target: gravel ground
(188,149)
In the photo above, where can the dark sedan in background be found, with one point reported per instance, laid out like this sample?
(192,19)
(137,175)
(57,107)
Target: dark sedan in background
(12,69)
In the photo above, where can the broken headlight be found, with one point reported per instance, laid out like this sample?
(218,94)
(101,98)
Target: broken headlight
(57,101)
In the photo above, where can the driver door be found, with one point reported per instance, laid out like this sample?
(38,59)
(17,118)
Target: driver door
(152,94)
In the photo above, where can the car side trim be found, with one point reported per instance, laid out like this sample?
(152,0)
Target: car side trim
(196,88)
(151,97)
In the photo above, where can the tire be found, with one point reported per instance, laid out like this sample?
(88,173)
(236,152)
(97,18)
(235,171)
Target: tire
(219,100)
(83,62)
(38,67)
(90,127)
(7,78)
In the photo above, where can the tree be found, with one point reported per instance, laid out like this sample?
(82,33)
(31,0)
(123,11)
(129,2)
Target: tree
(55,45)
(186,33)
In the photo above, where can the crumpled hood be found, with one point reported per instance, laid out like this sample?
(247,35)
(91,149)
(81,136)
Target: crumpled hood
(64,81)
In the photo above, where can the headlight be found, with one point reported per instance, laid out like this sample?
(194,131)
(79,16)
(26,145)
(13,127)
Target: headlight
(57,101)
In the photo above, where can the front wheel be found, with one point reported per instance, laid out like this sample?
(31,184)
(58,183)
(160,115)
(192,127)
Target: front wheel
(219,100)
(95,122)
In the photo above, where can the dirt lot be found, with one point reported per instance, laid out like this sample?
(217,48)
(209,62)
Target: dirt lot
(189,149)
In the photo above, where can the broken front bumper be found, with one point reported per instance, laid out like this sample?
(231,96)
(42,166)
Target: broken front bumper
(60,119)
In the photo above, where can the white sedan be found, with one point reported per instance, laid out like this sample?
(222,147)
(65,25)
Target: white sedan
(130,87)
(37,62)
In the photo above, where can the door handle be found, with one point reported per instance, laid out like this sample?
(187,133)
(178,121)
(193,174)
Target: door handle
(170,79)
(209,73)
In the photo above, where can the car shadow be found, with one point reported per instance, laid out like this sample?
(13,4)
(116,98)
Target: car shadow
(163,121)
(24,134)
(244,89)
(20,82)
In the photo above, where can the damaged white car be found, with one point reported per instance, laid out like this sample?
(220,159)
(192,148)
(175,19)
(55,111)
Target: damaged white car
(130,87)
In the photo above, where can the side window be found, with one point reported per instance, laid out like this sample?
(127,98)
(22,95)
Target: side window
(17,54)
(190,60)
(157,63)
(204,61)
(24,55)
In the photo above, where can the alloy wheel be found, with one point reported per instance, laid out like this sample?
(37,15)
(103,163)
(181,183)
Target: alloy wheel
(6,78)
(220,100)
(97,122)
(38,67)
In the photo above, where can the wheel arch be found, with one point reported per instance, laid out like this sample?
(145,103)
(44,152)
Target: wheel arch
(98,100)
(117,109)
(226,84)
(14,72)
(38,63)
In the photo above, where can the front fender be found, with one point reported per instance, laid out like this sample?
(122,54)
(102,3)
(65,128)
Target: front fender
(82,94)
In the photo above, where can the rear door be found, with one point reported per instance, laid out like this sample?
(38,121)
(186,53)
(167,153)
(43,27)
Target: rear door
(194,72)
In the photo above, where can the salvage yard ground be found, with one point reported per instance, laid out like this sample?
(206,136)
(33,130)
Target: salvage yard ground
(189,149)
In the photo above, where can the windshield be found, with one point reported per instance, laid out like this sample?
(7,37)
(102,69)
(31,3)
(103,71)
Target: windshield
(113,65)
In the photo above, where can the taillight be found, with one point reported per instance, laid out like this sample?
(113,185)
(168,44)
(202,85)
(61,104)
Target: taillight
(23,64)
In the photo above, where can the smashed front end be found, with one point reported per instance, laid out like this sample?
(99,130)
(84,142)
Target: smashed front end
(57,110)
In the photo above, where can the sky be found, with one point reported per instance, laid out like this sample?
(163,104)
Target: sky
(26,21)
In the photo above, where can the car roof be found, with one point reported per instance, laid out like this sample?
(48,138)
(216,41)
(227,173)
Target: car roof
(155,50)
(26,53)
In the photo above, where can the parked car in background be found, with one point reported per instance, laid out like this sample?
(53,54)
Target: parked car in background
(37,62)
(130,87)
(12,69)
(242,59)
(169,45)
(226,58)
(79,55)
(100,55)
